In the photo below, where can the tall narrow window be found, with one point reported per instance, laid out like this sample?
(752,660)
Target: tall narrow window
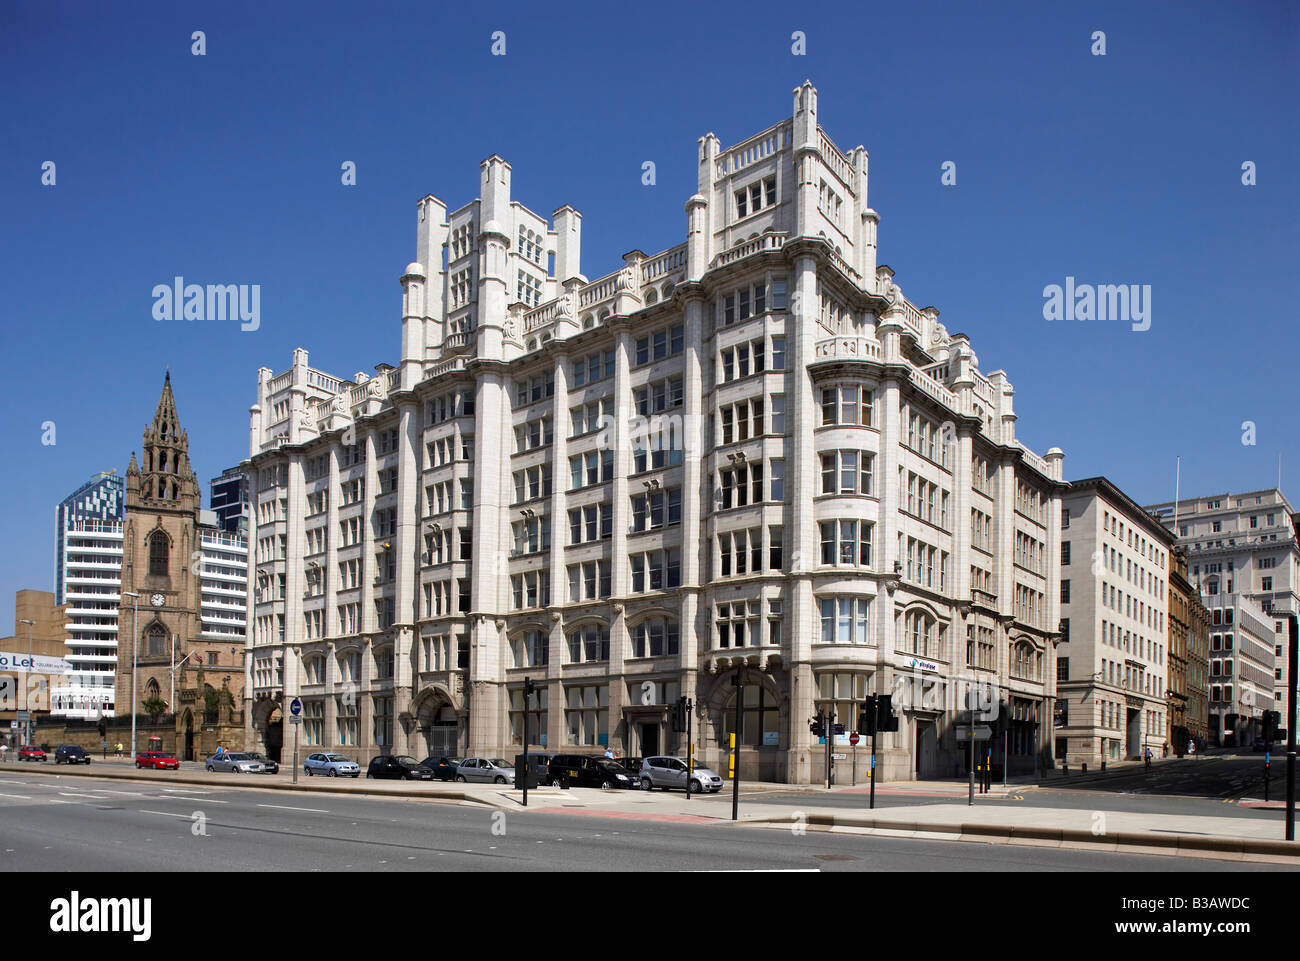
(158,550)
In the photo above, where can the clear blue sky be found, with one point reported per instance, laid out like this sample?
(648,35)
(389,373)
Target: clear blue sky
(225,168)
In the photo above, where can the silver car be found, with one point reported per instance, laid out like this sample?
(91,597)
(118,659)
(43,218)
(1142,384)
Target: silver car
(234,763)
(494,770)
(331,765)
(668,773)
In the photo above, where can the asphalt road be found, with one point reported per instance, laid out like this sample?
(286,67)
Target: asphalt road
(107,825)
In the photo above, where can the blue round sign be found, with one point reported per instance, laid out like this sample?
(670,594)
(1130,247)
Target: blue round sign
(295,707)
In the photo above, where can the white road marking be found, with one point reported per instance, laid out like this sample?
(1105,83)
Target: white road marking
(104,790)
(166,814)
(182,797)
(15,783)
(21,797)
(285,807)
(93,797)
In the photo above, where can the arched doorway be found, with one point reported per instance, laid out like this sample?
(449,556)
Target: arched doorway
(440,728)
(189,735)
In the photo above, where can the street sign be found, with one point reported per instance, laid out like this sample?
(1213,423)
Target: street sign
(838,757)
(295,719)
(295,707)
(853,738)
(982,732)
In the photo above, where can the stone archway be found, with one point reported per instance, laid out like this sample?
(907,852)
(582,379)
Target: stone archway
(442,729)
(268,728)
(767,704)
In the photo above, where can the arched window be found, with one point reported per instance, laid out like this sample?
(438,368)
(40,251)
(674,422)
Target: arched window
(151,690)
(651,297)
(158,554)
(156,642)
(760,715)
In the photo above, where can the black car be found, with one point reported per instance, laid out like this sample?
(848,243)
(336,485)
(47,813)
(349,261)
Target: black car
(399,767)
(443,768)
(589,770)
(268,766)
(631,764)
(71,754)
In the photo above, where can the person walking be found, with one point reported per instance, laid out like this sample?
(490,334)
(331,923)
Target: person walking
(119,749)
(1191,748)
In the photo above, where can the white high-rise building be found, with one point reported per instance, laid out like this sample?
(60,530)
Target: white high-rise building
(1244,554)
(747,453)
(92,581)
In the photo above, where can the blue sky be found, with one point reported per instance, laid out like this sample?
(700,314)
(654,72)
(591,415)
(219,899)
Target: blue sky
(225,168)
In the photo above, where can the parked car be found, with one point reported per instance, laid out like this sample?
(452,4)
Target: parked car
(268,766)
(158,761)
(667,773)
(399,767)
(589,770)
(235,763)
(496,770)
(632,765)
(70,754)
(331,765)
(30,752)
(443,768)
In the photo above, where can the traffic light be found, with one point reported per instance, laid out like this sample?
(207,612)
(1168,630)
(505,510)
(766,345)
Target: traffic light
(1272,719)
(818,727)
(103,727)
(679,715)
(885,720)
(867,719)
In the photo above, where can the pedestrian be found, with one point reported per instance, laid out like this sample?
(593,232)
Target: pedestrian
(1165,750)
(1191,748)
(220,750)
(119,749)
(1148,757)
(609,752)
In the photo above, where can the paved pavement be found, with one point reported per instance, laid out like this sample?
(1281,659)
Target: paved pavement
(933,809)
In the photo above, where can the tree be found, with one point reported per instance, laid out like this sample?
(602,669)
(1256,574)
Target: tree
(155,707)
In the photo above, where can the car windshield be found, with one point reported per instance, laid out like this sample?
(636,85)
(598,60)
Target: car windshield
(239,757)
(612,766)
(498,762)
(336,757)
(407,761)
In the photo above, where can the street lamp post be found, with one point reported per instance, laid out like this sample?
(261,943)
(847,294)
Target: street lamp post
(27,697)
(135,633)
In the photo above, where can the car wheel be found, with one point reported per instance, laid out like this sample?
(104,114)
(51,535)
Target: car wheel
(460,778)
(606,785)
(647,784)
(499,780)
(137,765)
(334,772)
(307,771)
(369,775)
(695,785)
(211,769)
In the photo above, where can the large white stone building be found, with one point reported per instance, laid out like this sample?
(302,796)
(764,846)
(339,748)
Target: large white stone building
(1243,551)
(748,451)
(1113,663)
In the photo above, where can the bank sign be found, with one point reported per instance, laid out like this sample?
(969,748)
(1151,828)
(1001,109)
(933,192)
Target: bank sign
(33,663)
(917,664)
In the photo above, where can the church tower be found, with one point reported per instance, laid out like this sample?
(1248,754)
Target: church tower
(161,556)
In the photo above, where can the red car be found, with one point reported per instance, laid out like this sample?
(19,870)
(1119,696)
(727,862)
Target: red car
(30,752)
(157,760)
